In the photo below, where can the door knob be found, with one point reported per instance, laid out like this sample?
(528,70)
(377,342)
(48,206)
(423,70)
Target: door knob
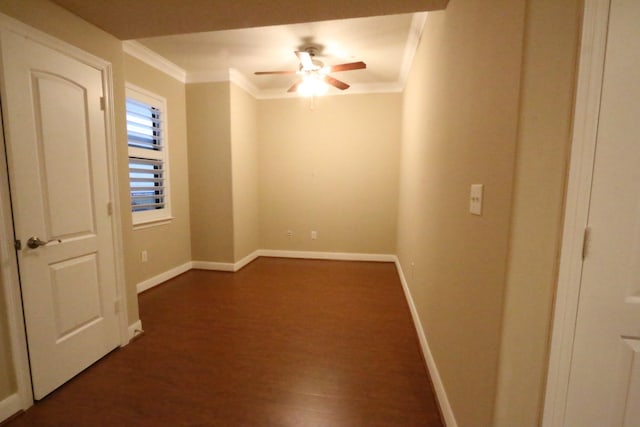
(35,242)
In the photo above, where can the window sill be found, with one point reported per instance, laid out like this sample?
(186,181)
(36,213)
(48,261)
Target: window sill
(152,223)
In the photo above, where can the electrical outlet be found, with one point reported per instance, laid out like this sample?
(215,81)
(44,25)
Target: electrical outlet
(314,235)
(144,256)
(289,233)
(475,199)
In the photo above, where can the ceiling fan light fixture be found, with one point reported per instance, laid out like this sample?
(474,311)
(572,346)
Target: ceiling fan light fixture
(313,75)
(312,85)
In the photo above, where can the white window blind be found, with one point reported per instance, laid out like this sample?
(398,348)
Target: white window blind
(147,184)
(148,175)
(144,125)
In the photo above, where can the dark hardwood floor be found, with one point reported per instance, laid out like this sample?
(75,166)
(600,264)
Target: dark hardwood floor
(280,343)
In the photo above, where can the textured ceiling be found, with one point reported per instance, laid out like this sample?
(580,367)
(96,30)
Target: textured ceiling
(133,19)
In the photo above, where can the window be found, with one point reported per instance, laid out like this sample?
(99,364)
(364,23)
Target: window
(148,156)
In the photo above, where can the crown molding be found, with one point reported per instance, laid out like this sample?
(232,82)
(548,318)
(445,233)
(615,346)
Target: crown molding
(374,88)
(411,46)
(230,75)
(239,79)
(355,89)
(148,56)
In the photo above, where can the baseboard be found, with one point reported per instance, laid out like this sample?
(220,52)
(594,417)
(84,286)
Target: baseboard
(246,260)
(226,266)
(163,277)
(9,407)
(233,267)
(135,329)
(215,266)
(336,256)
(441,393)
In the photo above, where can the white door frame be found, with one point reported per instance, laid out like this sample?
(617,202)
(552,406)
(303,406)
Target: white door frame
(585,127)
(8,259)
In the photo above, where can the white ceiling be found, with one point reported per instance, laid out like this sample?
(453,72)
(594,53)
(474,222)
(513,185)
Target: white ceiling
(385,43)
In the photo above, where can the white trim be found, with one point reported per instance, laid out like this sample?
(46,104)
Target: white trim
(157,216)
(235,76)
(8,23)
(362,88)
(159,62)
(153,223)
(240,80)
(359,88)
(163,277)
(230,75)
(10,285)
(411,46)
(10,406)
(151,58)
(591,70)
(114,186)
(226,266)
(10,275)
(443,400)
(214,266)
(337,256)
(135,329)
(246,260)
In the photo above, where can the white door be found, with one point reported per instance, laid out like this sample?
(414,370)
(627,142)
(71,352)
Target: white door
(58,169)
(604,384)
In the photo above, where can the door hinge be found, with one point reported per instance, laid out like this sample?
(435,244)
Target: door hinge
(110,208)
(586,239)
(117,306)
(102,103)
(17,244)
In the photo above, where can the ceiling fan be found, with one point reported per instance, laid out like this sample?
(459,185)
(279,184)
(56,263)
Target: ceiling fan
(314,75)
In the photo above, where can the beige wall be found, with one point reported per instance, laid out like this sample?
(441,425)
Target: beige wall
(210,175)
(244,163)
(167,245)
(259,168)
(552,32)
(459,128)
(333,169)
(52,19)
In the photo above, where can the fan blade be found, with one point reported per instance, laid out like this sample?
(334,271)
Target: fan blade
(260,73)
(335,82)
(347,67)
(295,86)
(305,60)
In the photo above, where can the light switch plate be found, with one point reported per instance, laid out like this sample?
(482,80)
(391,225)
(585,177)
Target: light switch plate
(475,199)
